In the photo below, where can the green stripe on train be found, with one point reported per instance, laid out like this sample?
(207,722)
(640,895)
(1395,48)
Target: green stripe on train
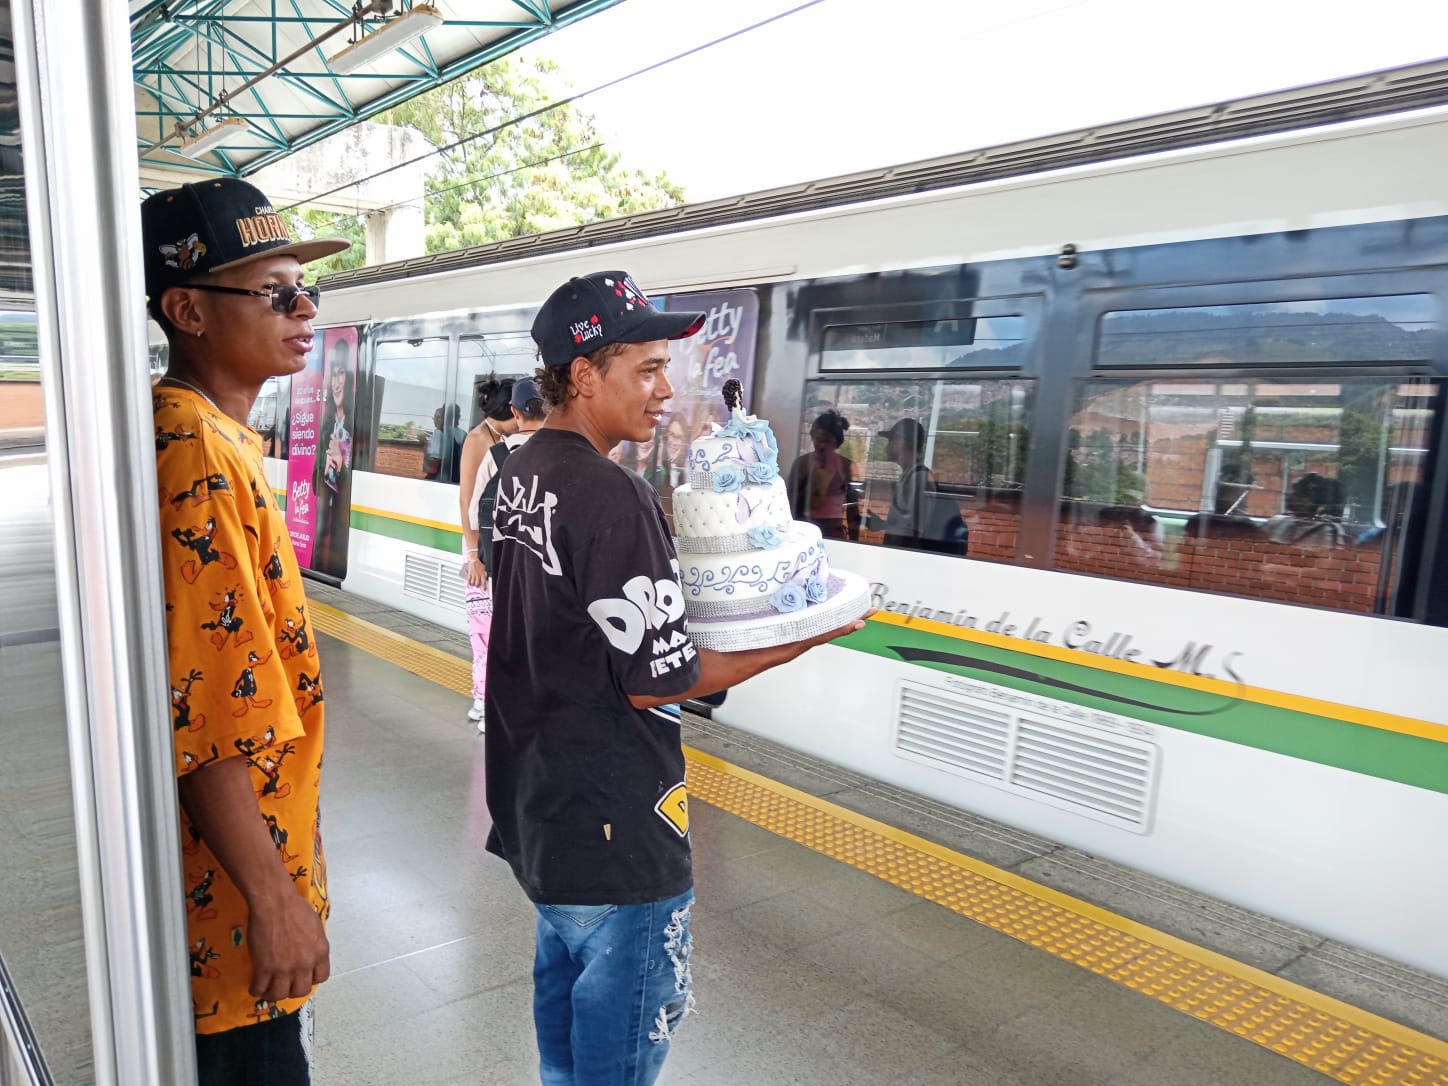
(1407,759)
(423,535)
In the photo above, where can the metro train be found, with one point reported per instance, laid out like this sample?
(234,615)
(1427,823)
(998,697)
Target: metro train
(1188,404)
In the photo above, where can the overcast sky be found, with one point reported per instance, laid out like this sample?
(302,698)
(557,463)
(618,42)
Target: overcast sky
(846,85)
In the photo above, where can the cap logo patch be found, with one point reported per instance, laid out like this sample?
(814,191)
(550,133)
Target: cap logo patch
(586,330)
(185,253)
(262,228)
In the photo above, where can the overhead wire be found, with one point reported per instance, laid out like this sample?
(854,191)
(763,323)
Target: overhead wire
(559,104)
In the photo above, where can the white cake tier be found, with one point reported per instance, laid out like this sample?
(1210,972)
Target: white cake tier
(708,522)
(848,599)
(747,581)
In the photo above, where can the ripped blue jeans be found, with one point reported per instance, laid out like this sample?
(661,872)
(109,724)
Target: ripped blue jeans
(610,987)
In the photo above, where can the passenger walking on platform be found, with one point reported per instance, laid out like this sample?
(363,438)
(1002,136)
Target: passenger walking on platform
(497,424)
(585,772)
(224,281)
(528,414)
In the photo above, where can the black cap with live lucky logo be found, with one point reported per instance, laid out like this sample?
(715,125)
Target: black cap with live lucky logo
(208,226)
(592,311)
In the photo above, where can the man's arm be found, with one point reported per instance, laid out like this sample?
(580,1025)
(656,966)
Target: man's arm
(721,670)
(289,950)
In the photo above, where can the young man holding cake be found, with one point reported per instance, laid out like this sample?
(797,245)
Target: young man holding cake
(585,773)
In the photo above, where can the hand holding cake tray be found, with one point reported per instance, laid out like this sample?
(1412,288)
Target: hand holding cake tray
(752,576)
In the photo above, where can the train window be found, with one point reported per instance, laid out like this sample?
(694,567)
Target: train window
(418,434)
(269,414)
(977,342)
(925,465)
(22,409)
(509,354)
(1396,328)
(1302,490)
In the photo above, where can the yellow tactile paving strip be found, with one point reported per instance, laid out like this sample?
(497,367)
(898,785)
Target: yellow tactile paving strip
(1335,1038)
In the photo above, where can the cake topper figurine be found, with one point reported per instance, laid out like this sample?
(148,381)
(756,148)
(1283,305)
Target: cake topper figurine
(734,394)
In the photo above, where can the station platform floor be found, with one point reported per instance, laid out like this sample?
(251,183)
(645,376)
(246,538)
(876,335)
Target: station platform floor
(845,932)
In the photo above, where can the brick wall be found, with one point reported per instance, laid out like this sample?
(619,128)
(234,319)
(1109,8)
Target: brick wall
(402,458)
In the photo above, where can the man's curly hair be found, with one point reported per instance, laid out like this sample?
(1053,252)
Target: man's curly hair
(555,382)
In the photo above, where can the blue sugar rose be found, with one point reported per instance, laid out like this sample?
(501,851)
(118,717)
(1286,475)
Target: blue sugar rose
(765,536)
(728,479)
(788,597)
(816,589)
(762,473)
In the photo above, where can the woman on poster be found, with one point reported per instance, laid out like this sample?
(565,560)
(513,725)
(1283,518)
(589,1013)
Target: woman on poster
(332,471)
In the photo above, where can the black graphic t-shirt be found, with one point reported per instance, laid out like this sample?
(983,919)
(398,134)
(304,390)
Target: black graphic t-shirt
(586,792)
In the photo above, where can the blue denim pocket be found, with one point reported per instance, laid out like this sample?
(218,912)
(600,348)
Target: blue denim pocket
(585,916)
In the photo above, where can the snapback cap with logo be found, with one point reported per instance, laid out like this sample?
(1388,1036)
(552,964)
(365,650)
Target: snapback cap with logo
(592,311)
(209,226)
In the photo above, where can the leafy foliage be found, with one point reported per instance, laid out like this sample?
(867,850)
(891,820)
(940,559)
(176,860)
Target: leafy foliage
(543,173)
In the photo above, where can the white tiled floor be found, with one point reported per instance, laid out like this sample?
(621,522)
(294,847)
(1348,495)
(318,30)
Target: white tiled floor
(806,971)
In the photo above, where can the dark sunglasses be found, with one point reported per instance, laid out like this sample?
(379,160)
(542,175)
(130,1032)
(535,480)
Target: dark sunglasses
(283,295)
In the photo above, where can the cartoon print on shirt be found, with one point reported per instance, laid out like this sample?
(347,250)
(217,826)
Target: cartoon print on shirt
(199,539)
(228,623)
(264,1009)
(201,956)
(521,515)
(165,437)
(245,687)
(273,571)
(252,744)
(200,893)
(270,767)
(278,836)
(181,704)
(311,691)
(294,640)
(199,490)
(191,762)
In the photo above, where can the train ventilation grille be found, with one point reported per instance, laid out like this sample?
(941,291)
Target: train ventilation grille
(425,578)
(1099,765)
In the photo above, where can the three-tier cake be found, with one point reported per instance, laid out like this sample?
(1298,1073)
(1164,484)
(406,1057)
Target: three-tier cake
(752,575)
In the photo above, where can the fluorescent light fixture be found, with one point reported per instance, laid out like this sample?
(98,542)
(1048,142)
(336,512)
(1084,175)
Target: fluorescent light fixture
(209,138)
(389,36)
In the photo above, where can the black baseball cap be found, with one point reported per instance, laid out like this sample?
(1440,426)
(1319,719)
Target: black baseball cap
(907,430)
(525,389)
(592,311)
(208,226)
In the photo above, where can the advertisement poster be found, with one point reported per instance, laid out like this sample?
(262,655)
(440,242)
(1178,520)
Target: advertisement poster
(700,365)
(319,464)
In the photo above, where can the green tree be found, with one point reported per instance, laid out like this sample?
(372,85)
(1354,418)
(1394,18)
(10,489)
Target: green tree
(544,173)
(312,224)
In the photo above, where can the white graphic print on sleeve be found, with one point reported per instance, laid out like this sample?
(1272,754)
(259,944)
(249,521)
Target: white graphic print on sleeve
(524,517)
(646,605)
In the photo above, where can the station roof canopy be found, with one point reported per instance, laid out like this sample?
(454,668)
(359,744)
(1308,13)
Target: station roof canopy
(247,82)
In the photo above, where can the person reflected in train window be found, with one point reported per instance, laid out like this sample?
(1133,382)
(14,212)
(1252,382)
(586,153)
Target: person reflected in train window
(590,649)
(332,466)
(442,462)
(822,483)
(224,281)
(919,517)
(675,468)
(1313,516)
(1226,520)
(494,401)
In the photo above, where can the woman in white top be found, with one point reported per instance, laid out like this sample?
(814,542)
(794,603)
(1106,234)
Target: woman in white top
(493,399)
(528,413)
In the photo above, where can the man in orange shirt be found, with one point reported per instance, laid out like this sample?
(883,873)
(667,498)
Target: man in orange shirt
(224,280)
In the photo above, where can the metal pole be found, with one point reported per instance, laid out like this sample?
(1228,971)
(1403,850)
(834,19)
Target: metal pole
(82,197)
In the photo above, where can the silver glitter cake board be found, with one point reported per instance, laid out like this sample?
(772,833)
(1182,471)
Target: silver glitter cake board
(848,599)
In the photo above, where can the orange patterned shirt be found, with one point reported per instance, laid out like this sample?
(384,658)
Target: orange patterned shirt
(244,680)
